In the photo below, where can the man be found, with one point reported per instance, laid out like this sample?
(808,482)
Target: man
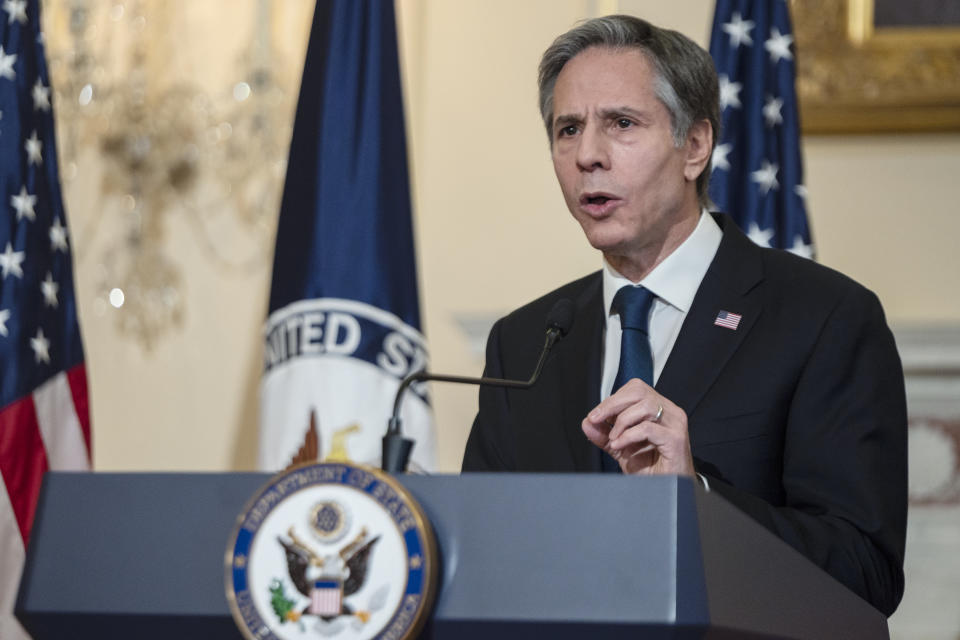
(773,380)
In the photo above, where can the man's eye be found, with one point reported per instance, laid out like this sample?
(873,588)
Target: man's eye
(569,130)
(624,123)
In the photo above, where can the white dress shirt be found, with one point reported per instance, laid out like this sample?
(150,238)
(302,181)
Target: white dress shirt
(674,282)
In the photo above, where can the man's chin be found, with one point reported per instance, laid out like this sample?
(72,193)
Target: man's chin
(606,244)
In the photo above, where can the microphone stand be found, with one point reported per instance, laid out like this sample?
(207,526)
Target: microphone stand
(396,448)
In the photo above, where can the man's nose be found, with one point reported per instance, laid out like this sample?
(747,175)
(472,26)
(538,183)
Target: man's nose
(592,152)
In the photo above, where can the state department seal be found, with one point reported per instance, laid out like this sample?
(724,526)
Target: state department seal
(331,550)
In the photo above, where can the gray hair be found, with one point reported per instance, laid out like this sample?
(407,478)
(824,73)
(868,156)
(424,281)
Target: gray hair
(685,79)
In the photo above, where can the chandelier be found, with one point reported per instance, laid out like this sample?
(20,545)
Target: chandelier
(163,148)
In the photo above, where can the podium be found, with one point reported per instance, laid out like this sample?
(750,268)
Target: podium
(558,556)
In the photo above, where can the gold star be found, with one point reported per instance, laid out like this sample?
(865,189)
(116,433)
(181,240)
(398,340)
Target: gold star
(416,562)
(240,561)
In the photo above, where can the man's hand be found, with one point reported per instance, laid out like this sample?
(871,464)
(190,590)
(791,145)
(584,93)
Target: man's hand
(625,425)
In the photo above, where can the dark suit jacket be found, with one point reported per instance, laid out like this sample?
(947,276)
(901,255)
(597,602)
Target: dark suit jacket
(798,416)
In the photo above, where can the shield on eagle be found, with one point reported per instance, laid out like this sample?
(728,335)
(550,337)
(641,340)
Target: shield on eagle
(326,596)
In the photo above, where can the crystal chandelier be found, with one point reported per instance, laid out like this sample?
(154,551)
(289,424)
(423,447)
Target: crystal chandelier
(165,148)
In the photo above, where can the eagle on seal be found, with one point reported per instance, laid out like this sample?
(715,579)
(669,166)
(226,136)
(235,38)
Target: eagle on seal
(349,566)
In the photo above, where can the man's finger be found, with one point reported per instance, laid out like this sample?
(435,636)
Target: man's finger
(642,411)
(652,432)
(598,434)
(629,394)
(638,449)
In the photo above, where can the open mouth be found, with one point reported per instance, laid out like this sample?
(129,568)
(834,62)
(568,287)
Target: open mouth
(596,199)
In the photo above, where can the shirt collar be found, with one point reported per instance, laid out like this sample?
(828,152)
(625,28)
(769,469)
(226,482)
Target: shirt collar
(677,278)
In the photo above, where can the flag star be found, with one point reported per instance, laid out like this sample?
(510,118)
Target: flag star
(41,347)
(801,248)
(49,289)
(23,202)
(58,236)
(801,191)
(739,30)
(760,236)
(33,147)
(17,10)
(729,93)
(778,45)
(6,64)
(41,97)
(771,111)
(4,316)
(10,262)
(720,153)
(766,177)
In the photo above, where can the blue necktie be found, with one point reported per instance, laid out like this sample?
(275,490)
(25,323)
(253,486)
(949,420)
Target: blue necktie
(632,304)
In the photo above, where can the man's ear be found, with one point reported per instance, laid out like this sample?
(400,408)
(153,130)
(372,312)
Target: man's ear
(699,148)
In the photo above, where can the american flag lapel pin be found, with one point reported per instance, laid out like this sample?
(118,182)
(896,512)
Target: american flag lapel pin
(728,320)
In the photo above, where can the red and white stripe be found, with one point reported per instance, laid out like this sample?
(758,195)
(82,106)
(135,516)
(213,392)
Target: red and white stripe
(47,430)
(326,601)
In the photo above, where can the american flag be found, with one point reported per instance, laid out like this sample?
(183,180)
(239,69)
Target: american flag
(728,320)
(326,597)
(44,419)
(757,168)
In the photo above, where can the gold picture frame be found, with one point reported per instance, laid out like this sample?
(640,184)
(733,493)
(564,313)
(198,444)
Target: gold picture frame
(855,78)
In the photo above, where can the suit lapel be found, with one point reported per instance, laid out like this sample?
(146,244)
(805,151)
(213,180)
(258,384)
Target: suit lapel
(702,348)
(579,372)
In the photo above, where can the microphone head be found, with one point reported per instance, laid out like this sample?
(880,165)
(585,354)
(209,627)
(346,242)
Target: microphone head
(561,316)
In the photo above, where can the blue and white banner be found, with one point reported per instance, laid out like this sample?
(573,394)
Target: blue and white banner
(757,166)
(344,321)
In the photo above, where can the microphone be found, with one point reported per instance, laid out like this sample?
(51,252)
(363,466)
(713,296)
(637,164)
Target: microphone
(396,448)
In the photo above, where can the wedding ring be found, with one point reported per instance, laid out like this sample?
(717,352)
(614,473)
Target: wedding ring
(659,415)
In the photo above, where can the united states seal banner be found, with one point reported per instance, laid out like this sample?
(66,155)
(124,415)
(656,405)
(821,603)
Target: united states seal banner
(344,323)
(44,417)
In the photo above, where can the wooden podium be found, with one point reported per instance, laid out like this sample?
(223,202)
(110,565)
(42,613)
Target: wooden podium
(523,556)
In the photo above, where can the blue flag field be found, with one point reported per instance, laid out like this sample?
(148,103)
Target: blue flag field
(757,166)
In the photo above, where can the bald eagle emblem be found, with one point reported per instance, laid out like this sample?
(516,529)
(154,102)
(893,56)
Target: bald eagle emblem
(327,580)
(331,551)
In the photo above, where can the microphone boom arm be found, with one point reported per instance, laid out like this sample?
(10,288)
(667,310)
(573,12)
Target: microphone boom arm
(396,448)
(423,375)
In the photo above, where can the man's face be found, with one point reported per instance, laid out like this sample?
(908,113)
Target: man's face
(623,179)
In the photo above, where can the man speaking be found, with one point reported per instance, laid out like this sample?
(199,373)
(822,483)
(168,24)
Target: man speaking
(771,379)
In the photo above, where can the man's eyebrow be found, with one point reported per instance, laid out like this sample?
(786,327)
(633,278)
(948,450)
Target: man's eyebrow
(566,119)
(613,112)
(605,114)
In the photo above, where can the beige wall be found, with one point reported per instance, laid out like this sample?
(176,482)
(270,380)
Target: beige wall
(190,401)
(885,211)
(491,228)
